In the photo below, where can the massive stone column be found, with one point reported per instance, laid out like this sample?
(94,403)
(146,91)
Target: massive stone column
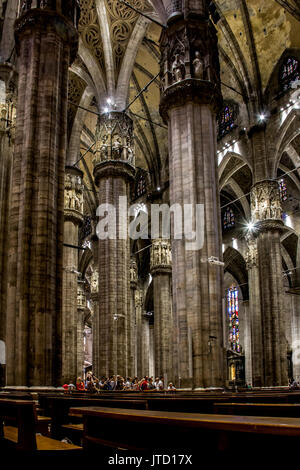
(161,270)
(114,171)
(79,350)
(190,101)
(7,135)
(73,219)
(97,336)
(255,311)
(266,216)
(132,322)
(139,334)
(46,43)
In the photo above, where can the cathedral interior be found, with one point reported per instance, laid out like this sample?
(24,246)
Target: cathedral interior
(162,102)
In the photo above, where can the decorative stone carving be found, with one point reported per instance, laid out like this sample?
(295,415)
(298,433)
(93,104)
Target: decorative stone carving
(114,138)
(95,281)
(252,254)
(90,30)
(81,297)
(73,193)
(133,273)
(190,64)
(75,91)
(160,256)
(74,196)
(122,21)
(138,299)
(198,66)
(178,69)
(3,116)
(265,201)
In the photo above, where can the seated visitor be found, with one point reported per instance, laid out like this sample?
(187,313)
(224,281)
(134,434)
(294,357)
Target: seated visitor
(80,384)
(71,387)
(151,385)
(144,384)
(160,384)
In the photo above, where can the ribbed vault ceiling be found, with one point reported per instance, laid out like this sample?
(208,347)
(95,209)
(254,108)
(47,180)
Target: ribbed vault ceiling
(119,54)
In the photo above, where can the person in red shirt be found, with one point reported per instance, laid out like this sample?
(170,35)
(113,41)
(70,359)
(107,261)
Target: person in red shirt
(144,384)
(80,384)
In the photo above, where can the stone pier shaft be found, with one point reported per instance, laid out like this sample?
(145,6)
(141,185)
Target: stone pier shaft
(46,43)
(114,172)
(73,219)
(190,101)
(161,270)
(266,216)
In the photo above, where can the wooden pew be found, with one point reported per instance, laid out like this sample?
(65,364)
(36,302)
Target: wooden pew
(291,410)
(22,436)
(60,408)
(149,431)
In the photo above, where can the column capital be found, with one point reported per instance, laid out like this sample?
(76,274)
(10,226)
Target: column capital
(8,107)
(190,69)
(74,188)
(266,208)
(49,17)
(160,256)
(114,150)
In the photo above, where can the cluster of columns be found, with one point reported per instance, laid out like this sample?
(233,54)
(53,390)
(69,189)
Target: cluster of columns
(189,104)
(161,271)
(46,43)
(7,134)
(73,218)
(43,339)
(264,261)
(114,172)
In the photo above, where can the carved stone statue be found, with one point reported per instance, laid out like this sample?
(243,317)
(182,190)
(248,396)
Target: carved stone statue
(178,69)
(117,148)
(160,253)
(133,271)
(95,281)
(198,66)
(73,193)
(81,299)
(265,201)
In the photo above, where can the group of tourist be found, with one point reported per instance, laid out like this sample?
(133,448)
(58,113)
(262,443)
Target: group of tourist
(115,382)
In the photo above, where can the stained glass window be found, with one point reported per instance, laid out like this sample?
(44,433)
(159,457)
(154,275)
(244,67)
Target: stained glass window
(282,190)
(229,218)
(141,186)
(289,73)
(233,318)
(226,121)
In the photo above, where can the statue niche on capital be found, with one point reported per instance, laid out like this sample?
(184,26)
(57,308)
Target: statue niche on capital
(178,69)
